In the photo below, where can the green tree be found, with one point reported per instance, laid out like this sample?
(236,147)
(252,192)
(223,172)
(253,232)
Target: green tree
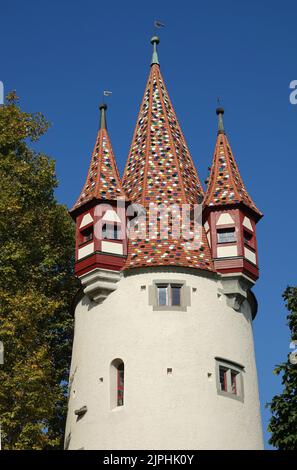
(36,287)
(283,422)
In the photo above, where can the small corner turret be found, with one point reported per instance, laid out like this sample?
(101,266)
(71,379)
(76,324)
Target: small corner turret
(230,218)
(99,214)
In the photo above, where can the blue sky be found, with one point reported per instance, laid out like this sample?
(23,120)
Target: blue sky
(61,55)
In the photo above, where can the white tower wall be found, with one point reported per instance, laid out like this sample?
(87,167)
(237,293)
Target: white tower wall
(181,410)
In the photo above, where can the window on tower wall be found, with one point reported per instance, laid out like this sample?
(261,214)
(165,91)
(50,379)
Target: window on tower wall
(120,385)
(223,378)
(248,238)
(169,295)
(86,235)
(229,379)
(117,383)
(111,231)
(226,235)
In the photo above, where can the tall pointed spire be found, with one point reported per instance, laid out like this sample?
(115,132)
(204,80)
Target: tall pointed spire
(159,166)
(103,181)
(225,185)
(160,170)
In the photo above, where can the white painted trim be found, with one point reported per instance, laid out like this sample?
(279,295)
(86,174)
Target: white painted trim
(247,223)
(224,219)
(87,219)
(85,250)
(226,251)
(250,255)
(111,216)
(110,247)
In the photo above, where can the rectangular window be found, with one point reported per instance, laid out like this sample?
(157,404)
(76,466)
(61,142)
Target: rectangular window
(234,382)
(247,237)
(162,295)
(111,231)
(226,235)
(169,295)
(86,235)
(229,379)
(175,295)
(223,378)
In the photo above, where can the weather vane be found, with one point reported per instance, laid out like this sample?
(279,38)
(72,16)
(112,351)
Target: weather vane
(106,93)
(158,24)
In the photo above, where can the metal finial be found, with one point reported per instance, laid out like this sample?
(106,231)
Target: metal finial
(220,111)
(103,108)
(155,41)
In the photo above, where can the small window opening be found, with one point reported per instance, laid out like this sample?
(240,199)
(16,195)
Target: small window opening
(226,235)
(175,295)
(234,382)
(87,235)
(169,295)
(223,378)
(120,383)
(247,236)
(230,380)
(111,231)
(117,383)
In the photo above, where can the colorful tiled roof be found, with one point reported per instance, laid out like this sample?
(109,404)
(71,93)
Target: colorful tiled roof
(103,180)
(160,170)
(225,185)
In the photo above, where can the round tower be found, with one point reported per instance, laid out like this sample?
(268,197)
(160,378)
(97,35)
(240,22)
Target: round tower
(163,353)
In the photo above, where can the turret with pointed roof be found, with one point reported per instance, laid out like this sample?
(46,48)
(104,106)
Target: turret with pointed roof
(103,181)
(225,185)
(230,212)
(96,213)
(160,170)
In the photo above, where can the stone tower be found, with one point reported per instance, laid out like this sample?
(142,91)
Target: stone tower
(163,353)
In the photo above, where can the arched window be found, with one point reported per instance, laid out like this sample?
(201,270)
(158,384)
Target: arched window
(117,383)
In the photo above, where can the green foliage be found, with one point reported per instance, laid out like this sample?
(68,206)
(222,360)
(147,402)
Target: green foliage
(36,287)
(283,422)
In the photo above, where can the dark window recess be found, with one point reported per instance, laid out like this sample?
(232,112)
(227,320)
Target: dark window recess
(226,235)
(162,295)
(229,380)
(169,295)
(111,231)
(247,236)
(87,235)
(175,295)
(223,378)
(234,382)
(120,384)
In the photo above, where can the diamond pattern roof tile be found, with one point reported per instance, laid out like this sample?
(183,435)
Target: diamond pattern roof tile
(225,185)
(160,170)
(103,180)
